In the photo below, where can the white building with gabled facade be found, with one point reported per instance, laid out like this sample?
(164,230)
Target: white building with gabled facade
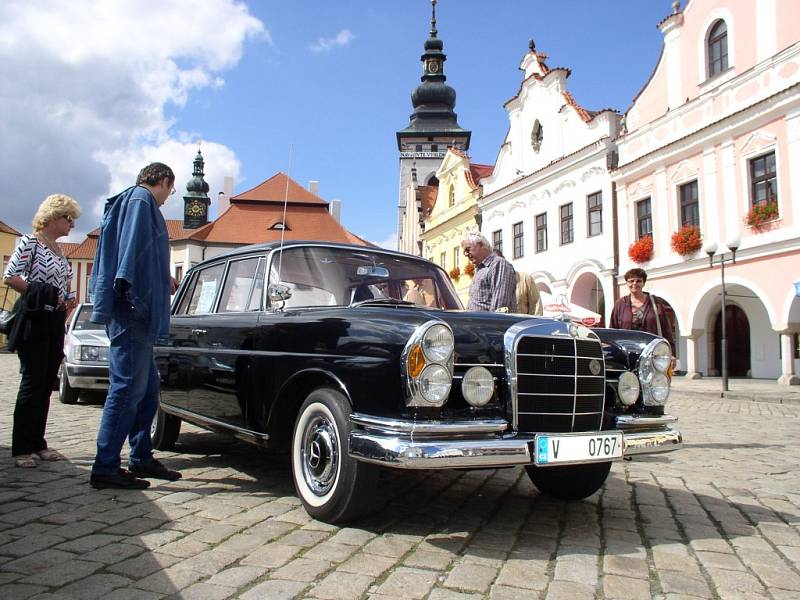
(549,204)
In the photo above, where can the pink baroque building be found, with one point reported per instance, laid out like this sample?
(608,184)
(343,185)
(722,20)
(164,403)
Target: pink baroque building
(712,141)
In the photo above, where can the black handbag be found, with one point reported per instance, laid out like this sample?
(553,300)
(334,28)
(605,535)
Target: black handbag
(7,316)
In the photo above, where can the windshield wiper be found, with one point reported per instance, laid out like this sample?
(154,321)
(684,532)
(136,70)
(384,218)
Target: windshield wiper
(382,301)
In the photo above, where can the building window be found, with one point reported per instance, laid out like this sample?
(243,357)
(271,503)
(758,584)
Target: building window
(434,147)
(418,148)
(456,254)
(443,260)
(178,273)
(594,210)
(497,241)
(644,218)
(690,207)
(451,196)
(567,224)
(541,232)
(537,135)
(718,48)
(763,180)
(518,236)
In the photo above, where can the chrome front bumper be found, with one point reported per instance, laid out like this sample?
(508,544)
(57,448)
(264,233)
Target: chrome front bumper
(481,444)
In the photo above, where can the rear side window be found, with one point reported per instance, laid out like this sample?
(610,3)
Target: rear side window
(204,287)
(241,292)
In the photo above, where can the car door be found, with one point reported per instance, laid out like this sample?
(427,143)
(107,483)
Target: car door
(223,333)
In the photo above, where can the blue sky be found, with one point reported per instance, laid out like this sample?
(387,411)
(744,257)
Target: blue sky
(331,80)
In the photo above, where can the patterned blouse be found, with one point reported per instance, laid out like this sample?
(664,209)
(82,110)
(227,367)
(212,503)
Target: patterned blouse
(48,267)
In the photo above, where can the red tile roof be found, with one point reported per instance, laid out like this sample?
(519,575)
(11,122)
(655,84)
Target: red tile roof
(275,189)
(478,172)
(84,250)
(8,229)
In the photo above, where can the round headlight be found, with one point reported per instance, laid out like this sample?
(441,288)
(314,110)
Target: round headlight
(628,388)
(477,386)
(659,389)
(434,384)
(437,343)
(662,357)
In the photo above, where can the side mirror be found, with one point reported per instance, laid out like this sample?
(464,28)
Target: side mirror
(278,292)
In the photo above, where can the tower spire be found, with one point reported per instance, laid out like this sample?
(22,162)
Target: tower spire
(433,19)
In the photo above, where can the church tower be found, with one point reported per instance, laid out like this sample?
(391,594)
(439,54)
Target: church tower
(423,144)
(196,200)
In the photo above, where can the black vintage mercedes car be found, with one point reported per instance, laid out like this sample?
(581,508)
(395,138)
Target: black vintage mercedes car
(331,351)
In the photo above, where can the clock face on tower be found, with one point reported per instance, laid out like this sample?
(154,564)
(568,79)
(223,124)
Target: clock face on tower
(432,66)
(194,209)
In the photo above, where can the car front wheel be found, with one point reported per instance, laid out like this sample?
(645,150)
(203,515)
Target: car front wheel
(66,393)
(574,482)
(164,430)
(332,486)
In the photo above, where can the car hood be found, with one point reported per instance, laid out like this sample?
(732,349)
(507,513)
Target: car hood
(90,337)
(622,347)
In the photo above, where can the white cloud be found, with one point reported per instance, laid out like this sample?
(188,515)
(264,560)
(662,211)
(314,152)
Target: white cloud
(390,243)
(343,38)
(85,87)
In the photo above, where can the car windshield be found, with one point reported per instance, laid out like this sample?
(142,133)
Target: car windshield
(82,321)
(318,276)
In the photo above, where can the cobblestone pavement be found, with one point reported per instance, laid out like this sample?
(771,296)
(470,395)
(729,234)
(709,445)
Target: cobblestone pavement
(719,519)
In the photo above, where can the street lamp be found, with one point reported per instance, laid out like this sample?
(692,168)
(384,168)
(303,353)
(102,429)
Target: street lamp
(710,249)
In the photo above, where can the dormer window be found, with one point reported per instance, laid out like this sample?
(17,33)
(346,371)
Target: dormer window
(717,48)
(279,226)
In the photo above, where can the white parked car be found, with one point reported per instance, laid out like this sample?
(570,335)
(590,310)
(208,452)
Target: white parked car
(85,365)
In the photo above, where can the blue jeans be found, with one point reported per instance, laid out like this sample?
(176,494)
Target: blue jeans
(133,392)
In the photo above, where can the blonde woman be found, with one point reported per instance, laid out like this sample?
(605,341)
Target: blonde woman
(40,272)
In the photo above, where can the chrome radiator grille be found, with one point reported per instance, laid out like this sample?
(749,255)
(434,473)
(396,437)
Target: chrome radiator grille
(559,386)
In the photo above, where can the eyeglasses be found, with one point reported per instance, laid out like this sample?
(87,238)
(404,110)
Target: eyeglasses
(639,281)
(69,219)
(172,191)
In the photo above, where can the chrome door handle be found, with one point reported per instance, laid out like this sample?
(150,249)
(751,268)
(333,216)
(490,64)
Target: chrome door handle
(199,331)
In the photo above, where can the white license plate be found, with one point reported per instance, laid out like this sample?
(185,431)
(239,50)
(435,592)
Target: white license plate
(577,448)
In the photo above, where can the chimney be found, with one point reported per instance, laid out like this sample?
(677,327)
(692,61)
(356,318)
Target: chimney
(313,187)
(336,209)
(224,197)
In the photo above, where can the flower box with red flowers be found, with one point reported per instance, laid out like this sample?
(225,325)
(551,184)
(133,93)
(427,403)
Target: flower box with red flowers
(469,270)
(455,273)
(687,240)
(641,251)
(761,214)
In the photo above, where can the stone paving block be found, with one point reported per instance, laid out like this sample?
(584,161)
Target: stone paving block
(443,594)
(208,562)
(156,538)
(274,590)
(523,574)
(428,560)
(502,592)
(341,586)
(271,529)
(272,555)
(184,548)
(89,543)
(569,590)
(94,586)
(21,591)
(352,536)
(674,582)
(720,561)
(626,588)
(389,545)
(577,568)
(168,581)
(237,577)
(408,583)
(779,576)
(143,565)
(70,531)
(63,573)
(241,544)
(40,561)
(30,544)
(301,569)
(471,577)
(367,564)
(203,591)
(334,553)
(628,567)
(114,553)
(305,538)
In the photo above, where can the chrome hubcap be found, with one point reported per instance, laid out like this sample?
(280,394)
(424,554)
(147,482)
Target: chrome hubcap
(320,455)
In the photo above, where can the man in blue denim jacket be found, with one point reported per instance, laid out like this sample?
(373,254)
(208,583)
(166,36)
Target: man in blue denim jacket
(131,287)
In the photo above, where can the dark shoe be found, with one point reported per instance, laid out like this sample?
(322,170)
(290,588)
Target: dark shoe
(122,479)
(155,470)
